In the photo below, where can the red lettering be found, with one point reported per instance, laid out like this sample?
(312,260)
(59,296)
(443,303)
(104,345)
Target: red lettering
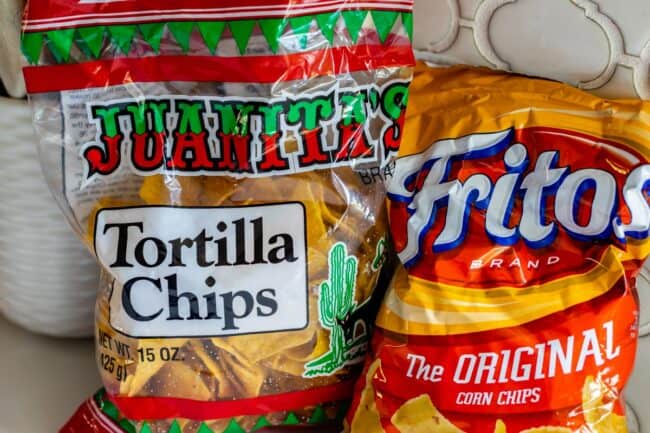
(313,152)
(271,157)
(197,145)
(354,142)
(104,160)
(148,155)
(235,153)
(393,134)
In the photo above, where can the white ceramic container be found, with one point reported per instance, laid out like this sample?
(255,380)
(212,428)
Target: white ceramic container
(48,279)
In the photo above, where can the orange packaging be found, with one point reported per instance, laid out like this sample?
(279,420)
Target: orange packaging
(519,208)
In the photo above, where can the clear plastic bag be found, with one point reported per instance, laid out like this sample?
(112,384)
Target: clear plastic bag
(225,165)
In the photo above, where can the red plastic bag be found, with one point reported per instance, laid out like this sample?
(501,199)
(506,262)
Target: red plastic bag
(519,209)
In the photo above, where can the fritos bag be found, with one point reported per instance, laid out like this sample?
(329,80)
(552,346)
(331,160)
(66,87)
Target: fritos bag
(224,162)
(519,210)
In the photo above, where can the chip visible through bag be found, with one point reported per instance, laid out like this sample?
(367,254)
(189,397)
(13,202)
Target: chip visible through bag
(224,161)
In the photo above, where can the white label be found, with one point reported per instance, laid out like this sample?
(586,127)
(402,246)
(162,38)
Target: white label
(190,272)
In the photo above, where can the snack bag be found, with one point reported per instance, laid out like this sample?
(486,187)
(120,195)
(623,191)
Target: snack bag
(519,210)
(224,162)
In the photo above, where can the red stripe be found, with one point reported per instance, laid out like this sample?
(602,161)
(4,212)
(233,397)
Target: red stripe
(51,9)
(88,419)
(255,69)
(149,408)
(39,26)
(148,18)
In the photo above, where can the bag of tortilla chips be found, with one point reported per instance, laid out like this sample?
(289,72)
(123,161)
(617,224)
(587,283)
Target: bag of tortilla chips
(224,162)
(519,209)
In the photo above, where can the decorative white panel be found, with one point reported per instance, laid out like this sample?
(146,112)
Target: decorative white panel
(597,45)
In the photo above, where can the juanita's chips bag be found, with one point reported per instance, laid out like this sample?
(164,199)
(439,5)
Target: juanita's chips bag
(519,209)
(224,162)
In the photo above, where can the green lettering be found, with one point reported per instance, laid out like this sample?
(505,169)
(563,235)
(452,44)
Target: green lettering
(243,118)
(191,117)
(234,118)
(354,108)
(310,113)
(138,113)
(159,110)
(394,100)
(271,115)
(108,120)
(227,118)
(139,116)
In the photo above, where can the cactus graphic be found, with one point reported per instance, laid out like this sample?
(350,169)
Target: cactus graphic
(380,255)
(336,304)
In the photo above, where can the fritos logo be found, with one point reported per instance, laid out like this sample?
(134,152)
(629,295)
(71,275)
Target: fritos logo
(548,197)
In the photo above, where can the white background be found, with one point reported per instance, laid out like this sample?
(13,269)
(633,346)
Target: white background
(287,279)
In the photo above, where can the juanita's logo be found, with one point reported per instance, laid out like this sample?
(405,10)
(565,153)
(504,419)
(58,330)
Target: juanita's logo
(246,137)
(528,188)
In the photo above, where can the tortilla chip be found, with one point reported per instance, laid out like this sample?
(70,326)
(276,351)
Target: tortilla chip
(143,371)
(212,362)
(255,348)
(172,190)
(366,419)
(599,415)
(419,415)
(246,379)
(178,379)
(292,361)
(500,427)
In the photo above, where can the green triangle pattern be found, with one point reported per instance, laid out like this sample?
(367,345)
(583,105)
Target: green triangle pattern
(203,428)
(319,416)
(327,24)
(384,22)
(261,423)
(91,40)
(272,29)
(175,427)
(32,45)
(301,27)
(127,426)
(60,43)
(291,419)
(122,36)
(354,21)
(110,409)
(407,22)
(241,32)
(233,427)
(182,32)
(211,31)
(152,34)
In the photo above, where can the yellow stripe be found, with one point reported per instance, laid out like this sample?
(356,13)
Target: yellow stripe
(635,250)
(419,307)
